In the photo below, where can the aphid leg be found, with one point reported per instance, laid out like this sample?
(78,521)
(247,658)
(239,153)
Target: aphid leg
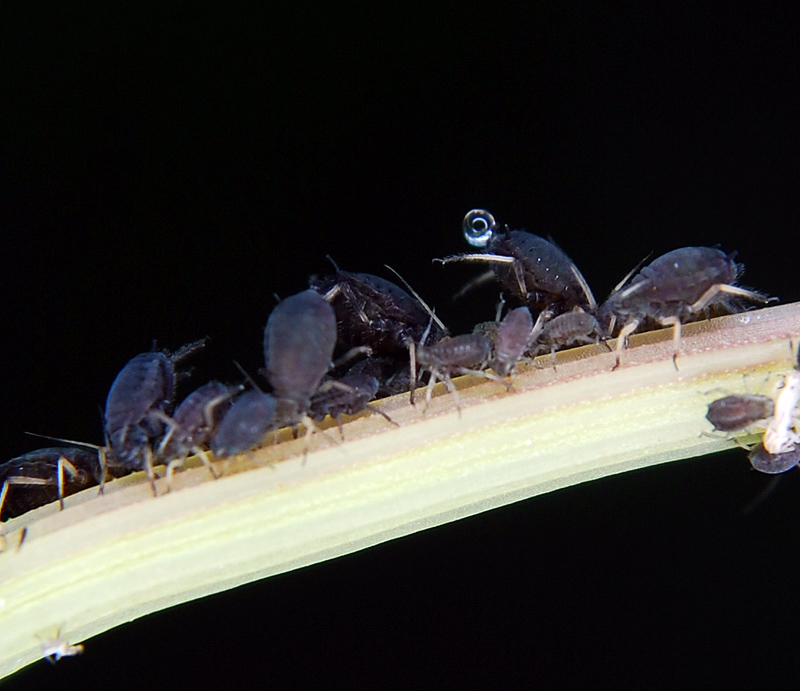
(485,277)
(375,409)
(412,356)
(148,469)
(622,340)
(706,298)
(675,323)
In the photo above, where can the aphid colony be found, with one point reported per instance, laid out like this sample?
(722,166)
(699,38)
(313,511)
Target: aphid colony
(779,449)
(354,337)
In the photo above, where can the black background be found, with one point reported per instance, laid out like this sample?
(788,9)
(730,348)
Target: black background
(164,173)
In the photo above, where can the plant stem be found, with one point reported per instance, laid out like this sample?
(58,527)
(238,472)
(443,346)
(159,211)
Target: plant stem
(109,559)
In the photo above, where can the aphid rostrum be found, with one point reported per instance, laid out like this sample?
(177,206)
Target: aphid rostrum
(532,269)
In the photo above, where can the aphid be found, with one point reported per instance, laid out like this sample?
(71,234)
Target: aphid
(773,463)
(140,397)
(53,649)
(375,312)
(510,339)
(673,288)
(44,475)
(193,422)
(347,395)
(244,426)
(533,269)
(299,339)
(738,411)
(454,355)
(780,435)
(570,329)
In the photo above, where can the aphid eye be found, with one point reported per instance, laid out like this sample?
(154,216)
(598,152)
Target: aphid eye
(479,226)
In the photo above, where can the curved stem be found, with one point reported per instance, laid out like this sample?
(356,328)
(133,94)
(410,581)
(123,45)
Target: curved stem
(108,559)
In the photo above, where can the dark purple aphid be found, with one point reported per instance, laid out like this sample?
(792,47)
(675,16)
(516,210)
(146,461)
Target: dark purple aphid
(141,395)
(247,422)
(347,395)
(298,348)
(371,311)
(452,356)
(44,476)
(532,269)
(194,421)
(673,288)
(738,411)
(773,463)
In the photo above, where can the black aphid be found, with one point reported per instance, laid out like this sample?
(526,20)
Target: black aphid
(45,475)
(372,311)
(567,330)
(452,356)
(531,268)
(739,411)
(674,288)
(247,422)
(773,463)
(193,423)
(298,348)
(140,397)
(347,395)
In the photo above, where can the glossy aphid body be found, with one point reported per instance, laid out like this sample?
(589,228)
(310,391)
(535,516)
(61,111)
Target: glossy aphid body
(194,422)
(139,399)
(532,269)
(673,288)
(372,311)
(738,412)
(45,475)
(299,339)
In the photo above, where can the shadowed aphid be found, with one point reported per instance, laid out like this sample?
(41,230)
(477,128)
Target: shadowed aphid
(773,463)
(674,288)
(44,476)
(568,330)
(347,395)
(534,270)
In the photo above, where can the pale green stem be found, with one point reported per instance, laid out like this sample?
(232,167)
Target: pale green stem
(108,559)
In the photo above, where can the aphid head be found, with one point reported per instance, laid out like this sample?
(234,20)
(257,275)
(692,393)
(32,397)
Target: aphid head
(479,226)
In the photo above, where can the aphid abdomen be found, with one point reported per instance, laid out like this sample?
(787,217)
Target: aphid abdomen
(739,411)
(247,422)
(298,346)
(683,275)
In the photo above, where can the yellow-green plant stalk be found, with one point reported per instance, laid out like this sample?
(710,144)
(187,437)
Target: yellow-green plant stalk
(108,559)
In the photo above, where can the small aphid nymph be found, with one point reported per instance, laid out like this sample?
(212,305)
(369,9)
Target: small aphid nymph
(739,411)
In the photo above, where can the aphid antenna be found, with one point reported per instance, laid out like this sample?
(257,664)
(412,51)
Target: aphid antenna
(419,299)
(247,377)
(631,273)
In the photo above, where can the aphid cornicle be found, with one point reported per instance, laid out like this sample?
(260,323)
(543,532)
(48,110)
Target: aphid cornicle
(673,288)
(45,475)
(531,268)
(739,411)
